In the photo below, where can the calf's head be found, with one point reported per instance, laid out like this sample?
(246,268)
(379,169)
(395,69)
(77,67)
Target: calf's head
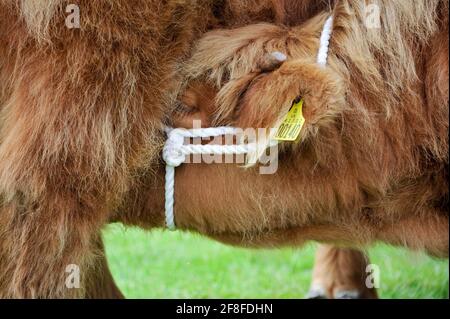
(350,177)
(243,84)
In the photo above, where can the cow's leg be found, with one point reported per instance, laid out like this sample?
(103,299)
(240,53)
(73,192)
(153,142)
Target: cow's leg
(340,273)
(100,283)
(64,164)
(48,246)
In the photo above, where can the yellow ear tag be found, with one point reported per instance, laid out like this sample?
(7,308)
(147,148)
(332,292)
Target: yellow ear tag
(292,124)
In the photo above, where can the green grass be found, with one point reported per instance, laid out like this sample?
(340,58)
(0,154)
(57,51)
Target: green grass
(162,264)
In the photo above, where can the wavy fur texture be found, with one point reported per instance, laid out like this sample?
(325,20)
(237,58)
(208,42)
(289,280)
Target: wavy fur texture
(372,161)
(81,112)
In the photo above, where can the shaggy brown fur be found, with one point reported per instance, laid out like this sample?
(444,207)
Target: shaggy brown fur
(372,163)
(80,119)
(81,111)
(373,159)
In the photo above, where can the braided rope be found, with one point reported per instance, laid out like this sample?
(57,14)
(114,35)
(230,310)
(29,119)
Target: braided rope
(169,196)
(325,37)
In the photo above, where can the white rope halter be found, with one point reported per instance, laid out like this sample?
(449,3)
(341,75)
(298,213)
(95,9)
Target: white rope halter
(175,151)
(325,37)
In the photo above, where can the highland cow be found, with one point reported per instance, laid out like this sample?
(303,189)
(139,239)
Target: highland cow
(82,112)
(372,160)
(81,117)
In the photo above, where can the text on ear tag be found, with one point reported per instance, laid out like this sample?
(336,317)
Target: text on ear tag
(292,124)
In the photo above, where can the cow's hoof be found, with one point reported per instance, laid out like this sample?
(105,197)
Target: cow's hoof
(347,294)
(317,293)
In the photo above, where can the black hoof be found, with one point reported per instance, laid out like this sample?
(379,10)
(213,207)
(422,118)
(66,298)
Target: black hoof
(347,294)
(316,293)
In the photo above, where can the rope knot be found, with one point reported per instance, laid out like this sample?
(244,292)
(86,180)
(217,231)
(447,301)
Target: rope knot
(172,154)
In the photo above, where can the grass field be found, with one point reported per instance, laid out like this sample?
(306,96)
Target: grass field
(162,264)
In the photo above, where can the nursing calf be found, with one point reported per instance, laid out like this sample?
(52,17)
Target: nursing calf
(371,163)
(82,111)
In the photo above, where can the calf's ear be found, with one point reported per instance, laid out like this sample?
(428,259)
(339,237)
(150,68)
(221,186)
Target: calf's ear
(267,99)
